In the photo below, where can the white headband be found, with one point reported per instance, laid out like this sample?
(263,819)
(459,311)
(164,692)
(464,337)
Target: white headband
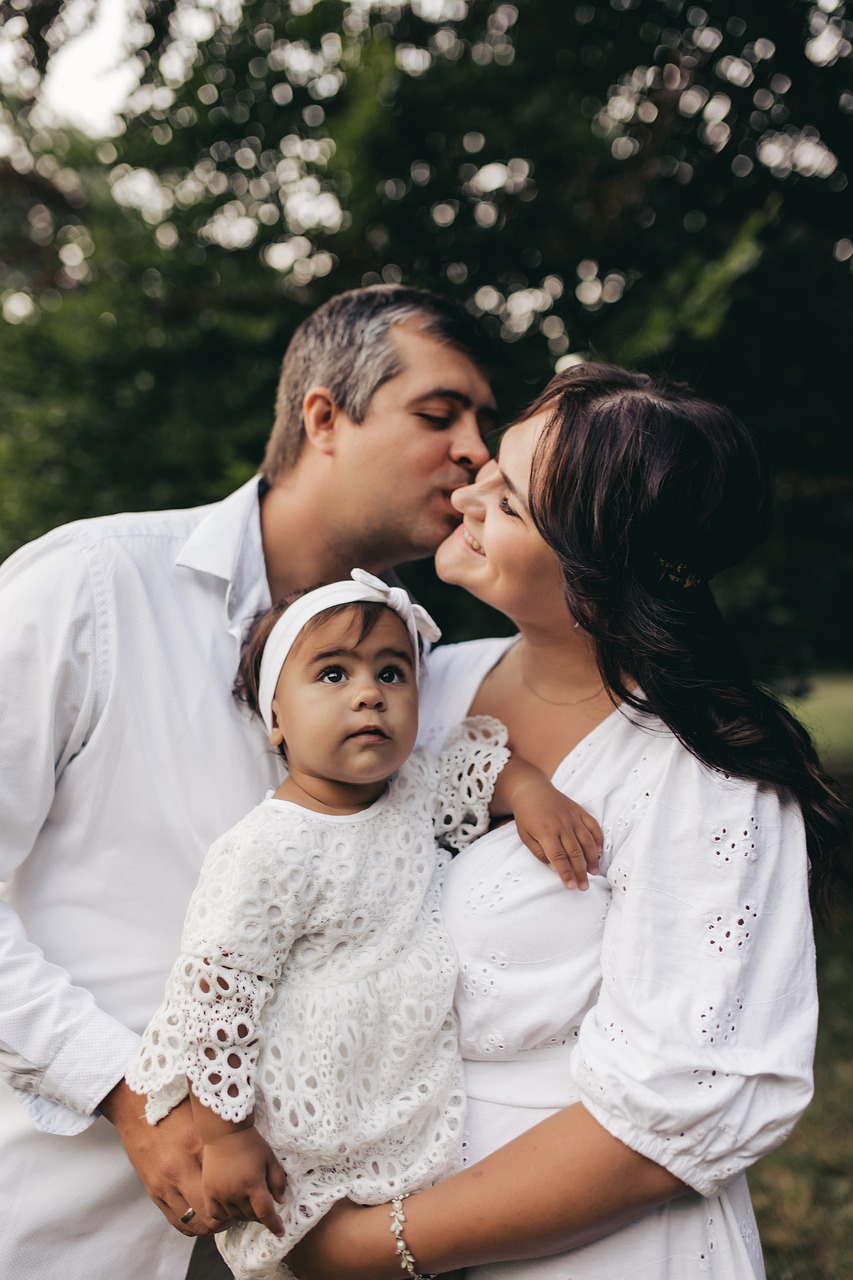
(363,586)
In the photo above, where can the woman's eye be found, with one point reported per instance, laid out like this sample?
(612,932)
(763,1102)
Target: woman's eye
(333,675)
(392,675)
(503,503)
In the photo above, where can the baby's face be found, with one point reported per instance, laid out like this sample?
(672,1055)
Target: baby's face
(348,708)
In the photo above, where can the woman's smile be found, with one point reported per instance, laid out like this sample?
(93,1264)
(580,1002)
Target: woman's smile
(472,541)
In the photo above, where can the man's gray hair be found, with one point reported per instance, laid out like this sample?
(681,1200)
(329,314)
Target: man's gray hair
(344,346)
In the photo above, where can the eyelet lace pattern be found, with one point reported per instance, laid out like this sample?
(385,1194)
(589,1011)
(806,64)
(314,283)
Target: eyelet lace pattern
(315,987)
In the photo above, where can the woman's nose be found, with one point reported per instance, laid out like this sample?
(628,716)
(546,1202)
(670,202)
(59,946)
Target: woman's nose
(470,495)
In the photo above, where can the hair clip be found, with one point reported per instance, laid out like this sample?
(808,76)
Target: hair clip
(680,573)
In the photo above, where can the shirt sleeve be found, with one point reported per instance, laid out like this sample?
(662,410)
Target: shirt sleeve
(467,769)
(250,905)
(698,1053)
(57,1049)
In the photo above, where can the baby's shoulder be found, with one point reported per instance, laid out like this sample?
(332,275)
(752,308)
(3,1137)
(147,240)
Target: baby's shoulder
(282,828)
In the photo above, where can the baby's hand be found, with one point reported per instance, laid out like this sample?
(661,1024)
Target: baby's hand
(557,830)
(242,1179)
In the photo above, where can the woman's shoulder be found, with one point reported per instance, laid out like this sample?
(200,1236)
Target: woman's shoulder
(454,673)
(661,795)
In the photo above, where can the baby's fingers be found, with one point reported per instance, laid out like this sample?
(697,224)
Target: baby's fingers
(276,1180)
(262,1209)
(587,835)
(570,863)
(563,857)
(595,844)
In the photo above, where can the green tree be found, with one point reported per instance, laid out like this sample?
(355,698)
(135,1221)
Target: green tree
(643,180)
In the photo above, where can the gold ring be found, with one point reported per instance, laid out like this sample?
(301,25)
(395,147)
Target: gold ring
(186,1218)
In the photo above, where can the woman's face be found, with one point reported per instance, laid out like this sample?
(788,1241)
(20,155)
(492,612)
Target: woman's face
(497,553)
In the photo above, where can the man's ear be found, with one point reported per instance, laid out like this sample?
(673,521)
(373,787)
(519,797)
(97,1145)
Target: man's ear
(320,415)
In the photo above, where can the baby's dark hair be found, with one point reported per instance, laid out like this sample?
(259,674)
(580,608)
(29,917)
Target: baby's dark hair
(247,684)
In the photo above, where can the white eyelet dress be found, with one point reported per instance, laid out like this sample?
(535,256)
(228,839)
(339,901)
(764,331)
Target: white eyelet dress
(675,999)
(315,987)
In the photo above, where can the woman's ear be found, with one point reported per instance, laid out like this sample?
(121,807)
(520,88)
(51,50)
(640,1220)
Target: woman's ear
(320,413)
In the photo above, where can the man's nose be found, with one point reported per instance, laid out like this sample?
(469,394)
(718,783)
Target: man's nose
(468,448)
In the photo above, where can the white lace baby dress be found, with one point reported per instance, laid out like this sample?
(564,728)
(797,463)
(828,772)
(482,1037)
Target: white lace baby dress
(315,988)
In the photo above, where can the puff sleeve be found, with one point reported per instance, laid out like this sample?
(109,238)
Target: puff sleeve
(698,1052)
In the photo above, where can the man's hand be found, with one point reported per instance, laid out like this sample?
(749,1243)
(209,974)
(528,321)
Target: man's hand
(167,1157)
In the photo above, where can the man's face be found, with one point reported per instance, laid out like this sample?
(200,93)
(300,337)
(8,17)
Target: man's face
(421,439)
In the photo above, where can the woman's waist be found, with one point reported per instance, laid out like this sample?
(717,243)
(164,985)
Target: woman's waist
(538,1077)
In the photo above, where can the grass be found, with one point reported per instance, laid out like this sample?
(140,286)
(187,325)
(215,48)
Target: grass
(803,1193)
(827,711)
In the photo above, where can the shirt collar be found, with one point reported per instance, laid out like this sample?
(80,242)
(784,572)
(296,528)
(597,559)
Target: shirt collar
(226,543)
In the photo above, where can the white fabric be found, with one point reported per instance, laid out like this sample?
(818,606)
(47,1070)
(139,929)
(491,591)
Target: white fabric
(361,586)
(123,756)
(315,987)
(676,999)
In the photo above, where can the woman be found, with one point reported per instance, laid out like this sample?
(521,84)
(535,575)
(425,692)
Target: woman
(632,1050)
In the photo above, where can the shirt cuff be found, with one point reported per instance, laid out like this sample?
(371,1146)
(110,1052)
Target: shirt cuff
(88,1066)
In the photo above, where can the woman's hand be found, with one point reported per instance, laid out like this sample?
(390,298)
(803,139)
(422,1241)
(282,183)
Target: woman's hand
(560,1185)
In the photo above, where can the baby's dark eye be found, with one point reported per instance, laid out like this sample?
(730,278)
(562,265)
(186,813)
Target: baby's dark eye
(333,675)
(392,675)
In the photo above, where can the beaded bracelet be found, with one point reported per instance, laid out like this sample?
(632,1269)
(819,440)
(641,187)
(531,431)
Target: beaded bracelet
(407,1261)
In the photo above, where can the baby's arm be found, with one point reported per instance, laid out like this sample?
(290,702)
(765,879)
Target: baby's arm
(555,828)
(240,1174)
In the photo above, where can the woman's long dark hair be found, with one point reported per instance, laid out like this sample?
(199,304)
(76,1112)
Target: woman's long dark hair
(645,491)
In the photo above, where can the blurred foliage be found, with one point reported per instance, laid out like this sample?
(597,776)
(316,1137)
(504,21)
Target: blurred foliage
(802,1193)
(648,181)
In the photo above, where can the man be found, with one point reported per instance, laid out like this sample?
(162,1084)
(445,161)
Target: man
(124,753)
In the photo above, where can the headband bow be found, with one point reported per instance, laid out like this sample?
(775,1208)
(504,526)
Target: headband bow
(361,586)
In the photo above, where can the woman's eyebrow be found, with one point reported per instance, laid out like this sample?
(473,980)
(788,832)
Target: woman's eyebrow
(514,490)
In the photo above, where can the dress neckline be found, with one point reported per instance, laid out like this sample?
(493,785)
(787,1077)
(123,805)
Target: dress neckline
(584,741)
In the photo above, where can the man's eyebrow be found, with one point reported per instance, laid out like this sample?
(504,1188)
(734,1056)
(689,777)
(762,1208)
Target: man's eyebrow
(465,401)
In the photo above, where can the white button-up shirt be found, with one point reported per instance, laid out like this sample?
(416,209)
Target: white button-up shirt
(123,755)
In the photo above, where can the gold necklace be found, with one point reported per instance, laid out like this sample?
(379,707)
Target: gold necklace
(573,702)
